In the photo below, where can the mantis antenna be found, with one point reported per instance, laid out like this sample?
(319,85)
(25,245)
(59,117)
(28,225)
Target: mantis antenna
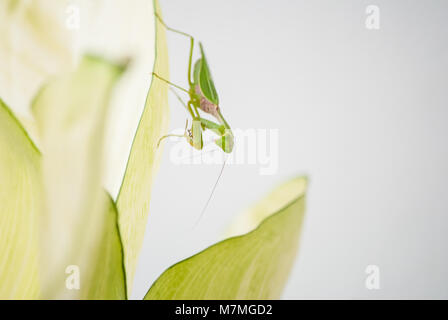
(211,194)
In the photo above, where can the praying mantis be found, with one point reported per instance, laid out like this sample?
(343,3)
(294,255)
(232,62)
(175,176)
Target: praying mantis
(203,96)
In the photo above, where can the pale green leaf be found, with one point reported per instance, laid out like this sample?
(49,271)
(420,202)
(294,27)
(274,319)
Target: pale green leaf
(108,279)
(134,195)
(34,44)
(70,113)
(40,39)
(255,265)
(19,210)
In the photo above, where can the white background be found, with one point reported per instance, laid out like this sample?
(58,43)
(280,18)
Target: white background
(362,112)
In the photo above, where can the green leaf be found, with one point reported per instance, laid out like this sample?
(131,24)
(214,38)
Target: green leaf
(205,78)
(21,195)
(108,279)
(70,113)
(133,198)
(19,210)
(254,265)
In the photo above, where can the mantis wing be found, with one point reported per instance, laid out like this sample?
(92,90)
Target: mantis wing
(197,71)
(203,77)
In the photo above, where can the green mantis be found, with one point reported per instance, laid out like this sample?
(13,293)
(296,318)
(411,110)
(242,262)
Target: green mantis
(203,96)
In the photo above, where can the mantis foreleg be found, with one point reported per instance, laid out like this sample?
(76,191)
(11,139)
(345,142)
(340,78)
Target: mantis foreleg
(225,140)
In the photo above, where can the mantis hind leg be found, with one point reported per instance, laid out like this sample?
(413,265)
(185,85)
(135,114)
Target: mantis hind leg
(190,106)
(170,83)
(187,106)
(172,29)
(190,59)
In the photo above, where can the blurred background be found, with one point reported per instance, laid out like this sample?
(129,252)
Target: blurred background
(363,112)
